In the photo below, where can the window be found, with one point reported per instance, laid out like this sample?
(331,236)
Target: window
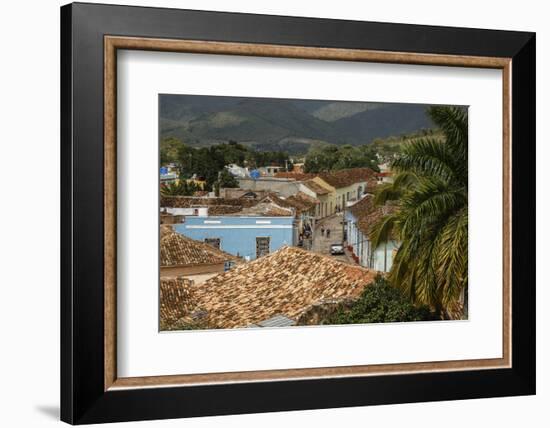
(262,246)
(228,265)
(214,242)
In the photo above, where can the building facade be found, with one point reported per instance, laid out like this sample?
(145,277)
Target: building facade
(248,237)
(270,171)
(360,217)
(323,193)
(181,256)
(283,186)
(349,185)
(237,171)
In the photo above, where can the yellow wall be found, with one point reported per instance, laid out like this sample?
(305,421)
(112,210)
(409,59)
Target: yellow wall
(198,183)
(327,204)
(335,197)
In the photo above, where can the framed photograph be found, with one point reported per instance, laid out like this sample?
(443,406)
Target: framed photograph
(267,213)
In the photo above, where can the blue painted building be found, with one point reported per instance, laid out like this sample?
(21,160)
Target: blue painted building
(245,236)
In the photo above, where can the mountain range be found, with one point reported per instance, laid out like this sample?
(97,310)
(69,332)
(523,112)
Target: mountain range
(291,125)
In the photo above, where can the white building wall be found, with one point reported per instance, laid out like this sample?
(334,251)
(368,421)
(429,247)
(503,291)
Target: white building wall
(284,187)
(200,211)
(304,189)
(382,259)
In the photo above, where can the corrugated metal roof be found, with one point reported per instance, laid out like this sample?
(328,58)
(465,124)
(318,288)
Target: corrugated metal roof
(277,321)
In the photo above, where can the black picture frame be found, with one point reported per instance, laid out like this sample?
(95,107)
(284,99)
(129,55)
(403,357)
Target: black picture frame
(83,398)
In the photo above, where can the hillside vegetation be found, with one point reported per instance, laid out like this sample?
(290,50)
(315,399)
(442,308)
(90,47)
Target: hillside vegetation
(282,124)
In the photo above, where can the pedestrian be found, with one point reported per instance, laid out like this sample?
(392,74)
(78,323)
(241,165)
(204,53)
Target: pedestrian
(322,231)
(328,233)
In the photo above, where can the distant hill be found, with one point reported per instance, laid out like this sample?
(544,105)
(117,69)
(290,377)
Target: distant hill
(384,121)
(282,124)
(339,110)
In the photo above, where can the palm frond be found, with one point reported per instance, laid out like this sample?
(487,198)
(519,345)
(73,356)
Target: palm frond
(426,157)
(383,230)
(453,121)
(431,220)
(387,192)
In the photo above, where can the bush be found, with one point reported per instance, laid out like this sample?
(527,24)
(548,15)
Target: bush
(380,302)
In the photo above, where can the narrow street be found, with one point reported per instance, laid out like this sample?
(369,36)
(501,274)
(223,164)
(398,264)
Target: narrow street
(321,244)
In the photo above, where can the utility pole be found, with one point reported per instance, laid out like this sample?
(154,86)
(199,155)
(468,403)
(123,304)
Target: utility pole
(344,237)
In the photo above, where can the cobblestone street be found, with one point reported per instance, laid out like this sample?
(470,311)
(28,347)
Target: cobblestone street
(322,243)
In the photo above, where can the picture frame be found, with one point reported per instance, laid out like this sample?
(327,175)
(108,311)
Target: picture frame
(91,35)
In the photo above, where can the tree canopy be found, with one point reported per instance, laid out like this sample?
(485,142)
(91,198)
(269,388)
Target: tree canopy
(180,188)
(431,192)
(379,302)
(208,162)
(331,157)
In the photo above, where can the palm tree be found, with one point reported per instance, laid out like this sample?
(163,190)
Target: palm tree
(430,191)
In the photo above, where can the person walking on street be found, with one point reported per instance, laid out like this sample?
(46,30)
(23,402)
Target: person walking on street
(328,233)
(322,231)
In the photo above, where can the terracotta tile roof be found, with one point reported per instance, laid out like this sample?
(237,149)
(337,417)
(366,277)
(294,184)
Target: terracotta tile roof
(306,198)
(276,199)
(371,187)
(302,202)
(179,250)
(287,282)
(298,176)
(272,204)
(249,194)
(317,188)
(165,229)
(192,202)
(224,209)
(235,193)
(176,299)
(367,221)
(368,213)
(268,209)
(363,206)
(347,177)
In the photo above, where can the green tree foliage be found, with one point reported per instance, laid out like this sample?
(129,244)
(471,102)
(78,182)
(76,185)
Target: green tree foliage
(174,189)
(208,162)
(379,302)
(431,192)
(387,149)
(182,188)
(182,324)
(332,157)
(256,159)
(226,180)
(169,150)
